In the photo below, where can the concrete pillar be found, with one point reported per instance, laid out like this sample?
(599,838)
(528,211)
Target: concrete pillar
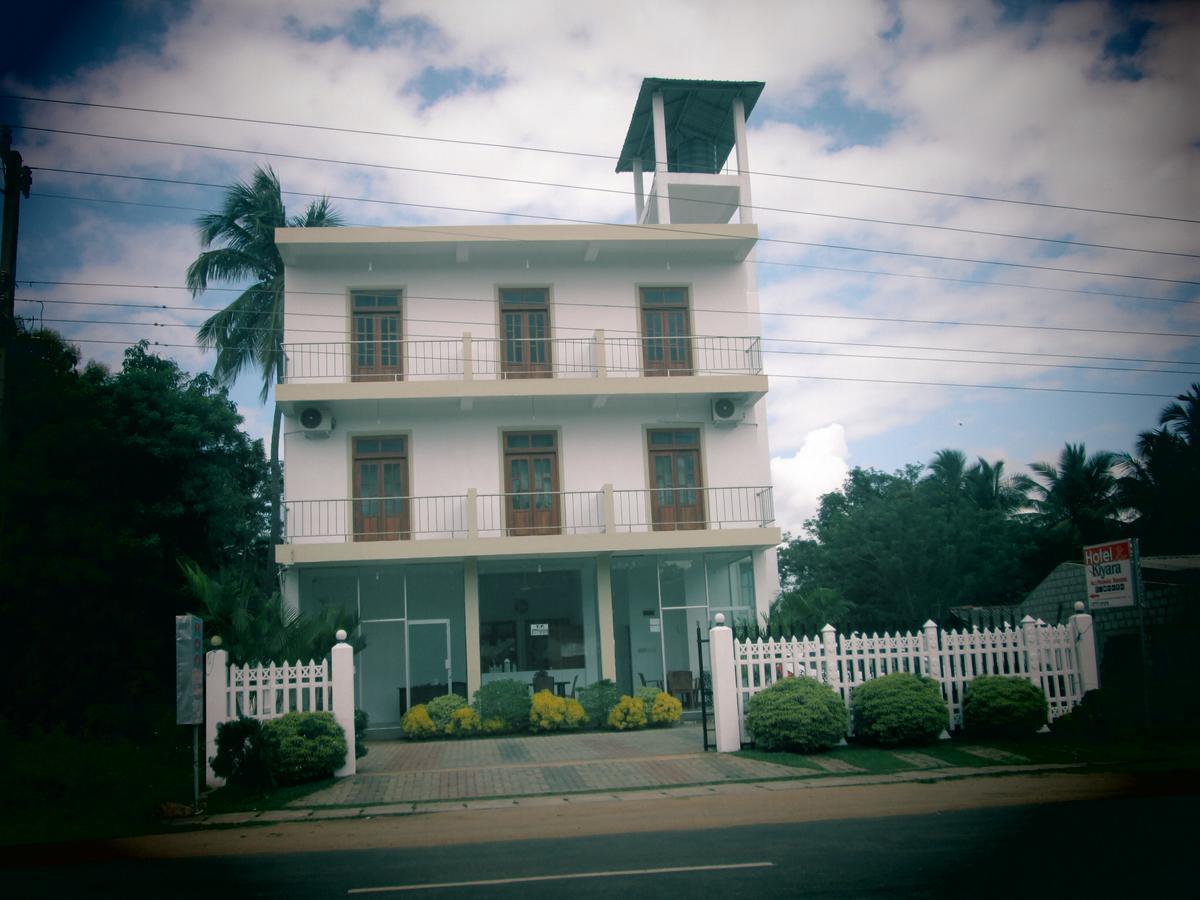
(610,509)
(290,590)
(472,513)
(639,190)
(471,605)
(829,657)
(727,718)
(658,113)
(1033,650)
(1083,629)
(604,613)
(216,709)
(468,362)
(601,355)
(745,212)
(341,664)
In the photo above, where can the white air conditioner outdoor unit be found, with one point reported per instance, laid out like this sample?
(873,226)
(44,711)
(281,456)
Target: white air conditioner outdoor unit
(726,412)
(316,422)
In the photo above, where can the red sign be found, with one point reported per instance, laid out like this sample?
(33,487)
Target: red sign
(1110,573)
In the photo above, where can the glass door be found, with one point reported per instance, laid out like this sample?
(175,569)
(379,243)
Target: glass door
(681,665)
(383,691)
(525,318)
(531,483)
(375,355)
(381,508)
(666,336)
(428,659)
(676,497)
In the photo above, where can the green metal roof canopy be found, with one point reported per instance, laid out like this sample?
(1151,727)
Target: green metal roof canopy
(698,115)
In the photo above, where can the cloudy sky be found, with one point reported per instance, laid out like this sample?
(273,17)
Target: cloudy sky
(980,220)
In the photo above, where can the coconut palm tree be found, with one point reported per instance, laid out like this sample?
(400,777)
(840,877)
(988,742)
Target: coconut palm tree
(989,488)
(238,245)
(1078,495)
(947,470)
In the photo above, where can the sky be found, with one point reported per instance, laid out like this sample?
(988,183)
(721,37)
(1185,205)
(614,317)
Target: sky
(980,221)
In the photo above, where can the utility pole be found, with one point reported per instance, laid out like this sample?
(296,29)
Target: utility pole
(17,180)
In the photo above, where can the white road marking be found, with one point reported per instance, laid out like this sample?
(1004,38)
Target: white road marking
(615,874)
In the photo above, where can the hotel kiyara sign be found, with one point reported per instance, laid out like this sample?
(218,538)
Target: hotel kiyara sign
(1110,570)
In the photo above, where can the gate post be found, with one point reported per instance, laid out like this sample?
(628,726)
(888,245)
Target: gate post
(1085,649)
(726,720)
(216,699)
(341,661)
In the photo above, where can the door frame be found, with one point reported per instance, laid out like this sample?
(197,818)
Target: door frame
(351,468)
(505,491)
(701,474)
(517,374)
(690,325)
(401,372)
(408,653)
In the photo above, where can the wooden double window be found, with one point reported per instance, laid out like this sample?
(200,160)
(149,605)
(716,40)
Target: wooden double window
(666,331)
(376,350)
(525,350)
(381,499)
(531,483)
(677,494)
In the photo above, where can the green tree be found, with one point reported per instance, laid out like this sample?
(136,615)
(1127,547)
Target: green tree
(989,488)
(238,245)
(1076,501)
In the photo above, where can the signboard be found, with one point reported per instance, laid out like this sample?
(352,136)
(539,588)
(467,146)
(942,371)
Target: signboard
(539,630)
(189,670)
(1111,571)
(655,625)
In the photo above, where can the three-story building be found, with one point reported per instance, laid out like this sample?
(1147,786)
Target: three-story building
(537,450)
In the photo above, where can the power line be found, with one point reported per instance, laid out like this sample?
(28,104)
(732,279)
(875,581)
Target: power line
(576,153)
(766,262)
(574,187)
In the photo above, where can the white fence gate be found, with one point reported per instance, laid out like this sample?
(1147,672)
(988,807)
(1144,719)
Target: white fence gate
(267,691)
(1060,659)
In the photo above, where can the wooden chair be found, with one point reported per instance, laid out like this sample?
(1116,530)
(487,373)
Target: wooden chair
(682,684)
(543,683)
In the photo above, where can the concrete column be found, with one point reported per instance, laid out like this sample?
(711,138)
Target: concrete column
(1083,629)
(604,613)
(659,116)
(290,590)
(601,355)
(727,718)
(468,363)
(639,190)
(829,652)
(933,655)
(341,664)
(745,213)
(216,694)
(1033,649)
(472,513)
(610,509)
(471,604)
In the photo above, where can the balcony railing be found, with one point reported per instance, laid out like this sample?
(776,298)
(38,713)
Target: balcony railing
(475,515)
(467,358)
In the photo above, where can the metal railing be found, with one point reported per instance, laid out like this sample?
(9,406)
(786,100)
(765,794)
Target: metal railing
(681,509)
(470,515)
(466,358)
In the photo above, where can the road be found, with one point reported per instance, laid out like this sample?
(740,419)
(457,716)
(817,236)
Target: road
(1133,837)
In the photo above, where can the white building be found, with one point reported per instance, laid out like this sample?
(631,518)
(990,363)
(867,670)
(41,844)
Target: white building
(517,448)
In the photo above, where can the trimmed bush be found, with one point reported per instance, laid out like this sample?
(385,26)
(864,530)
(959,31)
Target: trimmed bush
(309,746)
(441,711)
(1003,706)
(798,714)
(647,694)
(416,723)
(245,755)
(361,719)
(575,715)
(465,720)
(898,709)
(598,699)
(546,712)
(506,701)
(494,726)
(664,709)
(628,714)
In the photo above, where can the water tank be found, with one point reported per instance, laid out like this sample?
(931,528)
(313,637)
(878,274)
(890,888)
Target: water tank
(696,155)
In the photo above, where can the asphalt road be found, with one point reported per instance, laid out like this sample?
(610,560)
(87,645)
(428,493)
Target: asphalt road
(1111,847)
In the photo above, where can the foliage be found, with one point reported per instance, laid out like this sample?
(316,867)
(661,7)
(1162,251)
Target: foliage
(898,709)
(797,714)
(441,711)
(549,712)
(598,699)
(361,720)
(308,746)
(1076,499)
(647,694)
(167,474)
(464,720)
(416,723)
(494,725)
(238,245)
(246,754)
(664,709)
(575,715)
(1003,706)
(506,701)
(628,714)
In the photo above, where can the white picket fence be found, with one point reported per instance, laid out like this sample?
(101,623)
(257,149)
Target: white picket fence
(268,690)
(1060,659)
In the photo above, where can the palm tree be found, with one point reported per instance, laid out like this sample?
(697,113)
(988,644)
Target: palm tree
(249,331)
(1078,496)
(989,488)
(947,470)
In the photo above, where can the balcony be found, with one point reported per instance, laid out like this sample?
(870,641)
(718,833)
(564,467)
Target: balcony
(474,524)
(469,367)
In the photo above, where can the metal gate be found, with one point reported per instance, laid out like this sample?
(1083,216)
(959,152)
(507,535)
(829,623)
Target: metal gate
(705,692)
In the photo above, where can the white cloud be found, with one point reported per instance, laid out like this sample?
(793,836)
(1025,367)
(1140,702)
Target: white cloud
(818,467)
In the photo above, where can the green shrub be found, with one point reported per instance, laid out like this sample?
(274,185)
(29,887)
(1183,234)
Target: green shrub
(361,719)
(628,714)
(664,709)
(245,755)
(1003,706)
(441,711)
(647,694)
(798,714)
(898,709)
(309,746)
(546,712)
(598,699)
(416,723)
(575,715)
(465,720)
(506,701)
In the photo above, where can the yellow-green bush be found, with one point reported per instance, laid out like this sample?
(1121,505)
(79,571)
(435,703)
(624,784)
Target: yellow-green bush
(547,711)
(629,713)
(575,715)
(417,724)
(465,720)
(494,725)
(665,709)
